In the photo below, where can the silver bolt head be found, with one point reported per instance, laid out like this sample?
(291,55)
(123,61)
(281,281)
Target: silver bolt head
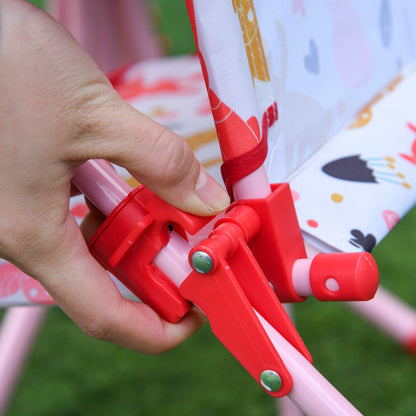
(270,380)
(201,262)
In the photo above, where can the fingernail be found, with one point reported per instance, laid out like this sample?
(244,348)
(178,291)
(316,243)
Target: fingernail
(211,192)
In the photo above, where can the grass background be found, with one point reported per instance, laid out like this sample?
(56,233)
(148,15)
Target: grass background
(69,374)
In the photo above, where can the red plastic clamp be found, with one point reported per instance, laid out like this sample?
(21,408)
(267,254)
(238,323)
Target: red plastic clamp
(130,238)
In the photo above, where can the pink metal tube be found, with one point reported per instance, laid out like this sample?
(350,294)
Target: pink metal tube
(19,328)
(253,186)
(391,315)
(301,280)
(311,391)
(98,181)
(285,407)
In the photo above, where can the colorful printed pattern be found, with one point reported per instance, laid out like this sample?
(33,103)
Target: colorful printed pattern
(353,191)
(327,60)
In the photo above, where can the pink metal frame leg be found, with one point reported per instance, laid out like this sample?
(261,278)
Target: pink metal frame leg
(18,331)
(391,315)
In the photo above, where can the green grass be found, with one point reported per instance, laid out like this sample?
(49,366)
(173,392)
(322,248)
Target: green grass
(69,374)
(171,21)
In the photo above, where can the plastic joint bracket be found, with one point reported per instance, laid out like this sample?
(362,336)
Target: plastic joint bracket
(281,254)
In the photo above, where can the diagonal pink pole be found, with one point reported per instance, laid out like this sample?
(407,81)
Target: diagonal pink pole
(390,314)
(18,331)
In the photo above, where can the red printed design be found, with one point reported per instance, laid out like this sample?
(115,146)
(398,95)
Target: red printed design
(412,156)
(12,280)
(391,218)
(138,86)
(236,136)
(243,143)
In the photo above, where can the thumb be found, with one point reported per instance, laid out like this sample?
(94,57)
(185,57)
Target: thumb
(161,160)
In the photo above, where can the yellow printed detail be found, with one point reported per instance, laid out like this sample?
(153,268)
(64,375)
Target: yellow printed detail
(252,39)
(365,115)
(200,139)
(362,119)
(337,197)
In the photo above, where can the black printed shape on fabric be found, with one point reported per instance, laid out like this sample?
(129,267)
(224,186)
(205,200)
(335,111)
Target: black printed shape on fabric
(367,242)
(350,168)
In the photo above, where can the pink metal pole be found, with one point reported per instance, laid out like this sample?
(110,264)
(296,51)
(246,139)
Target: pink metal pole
(391,315)
(255,185)
(387,312)
(311,392)
(97,180)
(285,406)
(18,331)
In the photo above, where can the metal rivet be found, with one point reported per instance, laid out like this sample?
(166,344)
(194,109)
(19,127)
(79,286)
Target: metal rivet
(201,262)
(270,380)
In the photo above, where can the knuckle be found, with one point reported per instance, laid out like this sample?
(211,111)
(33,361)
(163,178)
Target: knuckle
(101,330)
(100,322)
(17,239)
(90,113)
(177,162)
(89,109)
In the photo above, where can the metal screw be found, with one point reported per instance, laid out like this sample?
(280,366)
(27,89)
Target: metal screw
(201,262)
(270,380)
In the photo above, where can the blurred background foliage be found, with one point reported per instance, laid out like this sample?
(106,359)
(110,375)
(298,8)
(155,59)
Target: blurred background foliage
(69,374)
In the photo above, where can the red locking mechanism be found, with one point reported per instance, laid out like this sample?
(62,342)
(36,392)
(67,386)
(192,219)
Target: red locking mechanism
(129,239)
(256,243)
(230,289)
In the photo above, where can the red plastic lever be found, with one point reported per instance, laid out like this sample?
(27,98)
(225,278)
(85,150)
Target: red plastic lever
(279,242)
(233,289)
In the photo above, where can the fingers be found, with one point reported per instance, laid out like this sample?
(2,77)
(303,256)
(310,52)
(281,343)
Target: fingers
(90,298)
(156,157)
(71,114)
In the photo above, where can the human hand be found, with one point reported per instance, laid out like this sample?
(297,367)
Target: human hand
(57,110)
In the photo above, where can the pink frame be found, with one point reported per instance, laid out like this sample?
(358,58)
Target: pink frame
(17,334)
